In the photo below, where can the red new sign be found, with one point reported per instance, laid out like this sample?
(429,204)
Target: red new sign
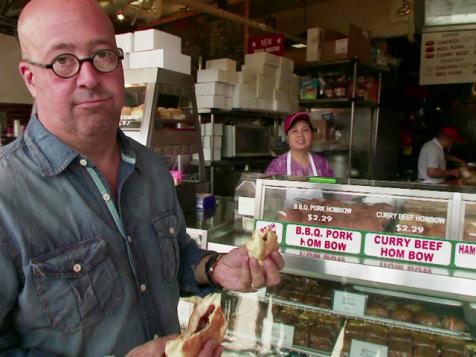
(269,43)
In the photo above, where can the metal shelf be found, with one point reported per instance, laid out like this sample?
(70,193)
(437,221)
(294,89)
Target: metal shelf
(337,103)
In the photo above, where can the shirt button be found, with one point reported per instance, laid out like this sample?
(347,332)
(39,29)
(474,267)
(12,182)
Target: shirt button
(83,162)
(143,287)
(77,268)
(172,230)
(106,197)
(129,239)
(156,337)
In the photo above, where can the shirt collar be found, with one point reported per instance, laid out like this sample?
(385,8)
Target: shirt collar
(437,142)
(53,156)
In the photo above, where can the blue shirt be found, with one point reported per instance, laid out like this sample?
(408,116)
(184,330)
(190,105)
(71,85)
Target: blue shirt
(82,274)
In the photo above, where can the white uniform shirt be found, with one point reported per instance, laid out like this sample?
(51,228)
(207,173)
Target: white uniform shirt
(432,155)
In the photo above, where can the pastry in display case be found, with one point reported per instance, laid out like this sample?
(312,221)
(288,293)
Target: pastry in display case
(277,322)
(160,112)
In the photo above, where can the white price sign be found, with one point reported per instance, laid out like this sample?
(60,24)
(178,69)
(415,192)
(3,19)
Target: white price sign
(448,57)
(336,240)
(465,255)
(279,334)
(428,251)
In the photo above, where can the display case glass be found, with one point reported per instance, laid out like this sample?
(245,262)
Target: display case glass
(312,317)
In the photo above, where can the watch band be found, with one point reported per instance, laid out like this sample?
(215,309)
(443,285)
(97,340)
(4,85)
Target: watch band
(210,266)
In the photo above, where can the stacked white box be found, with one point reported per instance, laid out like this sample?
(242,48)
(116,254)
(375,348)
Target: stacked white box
(211,134)
(125,42)
(212,75)
(286,64)
(207,129)
(260,58)
(207,141)
(160,58)
(211,101)
(125,61)
(222,63)
(153,49)
(155,39)
(211,88)
(223,71)
(246,77)
(280,95)
(263,70)
(264,87)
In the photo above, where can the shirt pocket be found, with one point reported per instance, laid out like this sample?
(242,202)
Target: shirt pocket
(166,229)
(77,285)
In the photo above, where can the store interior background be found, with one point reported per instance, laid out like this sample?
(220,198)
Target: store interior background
(414,111)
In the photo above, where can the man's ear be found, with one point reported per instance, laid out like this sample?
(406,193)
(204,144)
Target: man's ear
(28,77)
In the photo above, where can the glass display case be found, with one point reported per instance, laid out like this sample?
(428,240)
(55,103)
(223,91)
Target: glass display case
(370,270)
(160,112)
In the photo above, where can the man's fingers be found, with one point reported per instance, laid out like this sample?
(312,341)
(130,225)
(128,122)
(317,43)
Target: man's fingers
(211,348)
(277,259)
(257,275)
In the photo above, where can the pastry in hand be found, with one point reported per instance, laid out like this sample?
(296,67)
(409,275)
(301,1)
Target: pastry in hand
(206,322)
(262,244)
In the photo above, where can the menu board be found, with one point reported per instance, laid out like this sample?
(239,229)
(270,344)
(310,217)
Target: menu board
(448,57)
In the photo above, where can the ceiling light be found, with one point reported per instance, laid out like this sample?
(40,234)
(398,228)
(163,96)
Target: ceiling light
(120,16)
(299,45)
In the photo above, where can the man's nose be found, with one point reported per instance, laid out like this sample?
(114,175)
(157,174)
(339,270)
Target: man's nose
(87,76)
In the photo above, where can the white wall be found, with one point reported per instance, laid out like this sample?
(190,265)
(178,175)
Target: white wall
(12,87)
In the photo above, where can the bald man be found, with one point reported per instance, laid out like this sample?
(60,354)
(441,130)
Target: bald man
(93,249)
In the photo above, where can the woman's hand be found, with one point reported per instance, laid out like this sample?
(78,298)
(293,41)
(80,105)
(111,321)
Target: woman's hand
(156,348)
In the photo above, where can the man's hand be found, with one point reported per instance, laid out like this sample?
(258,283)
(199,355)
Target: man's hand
(156,348)
(237,271)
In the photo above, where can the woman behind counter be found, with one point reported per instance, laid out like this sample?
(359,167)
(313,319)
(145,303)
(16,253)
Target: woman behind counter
(299,160)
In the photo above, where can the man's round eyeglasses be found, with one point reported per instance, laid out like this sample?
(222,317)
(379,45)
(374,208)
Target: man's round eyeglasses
(67,65)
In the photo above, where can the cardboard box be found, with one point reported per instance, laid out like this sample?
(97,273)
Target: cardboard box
(210,88)
(260,58)
(356,44)
(315,38)
(160,58)
(155,39)
(322,128)
(125,42)
(222,63)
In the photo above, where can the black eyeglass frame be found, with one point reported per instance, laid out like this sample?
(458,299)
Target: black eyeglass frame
(90,59)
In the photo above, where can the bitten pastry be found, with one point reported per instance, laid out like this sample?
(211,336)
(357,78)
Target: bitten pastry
(261,245)
(207,321)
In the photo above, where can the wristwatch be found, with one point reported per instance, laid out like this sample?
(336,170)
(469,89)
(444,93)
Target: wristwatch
(210,266)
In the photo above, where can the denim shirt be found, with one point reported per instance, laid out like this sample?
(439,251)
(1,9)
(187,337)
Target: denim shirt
(81,273)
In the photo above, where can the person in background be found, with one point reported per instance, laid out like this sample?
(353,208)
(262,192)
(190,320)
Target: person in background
(434,155)
(299,160)
(94,253)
